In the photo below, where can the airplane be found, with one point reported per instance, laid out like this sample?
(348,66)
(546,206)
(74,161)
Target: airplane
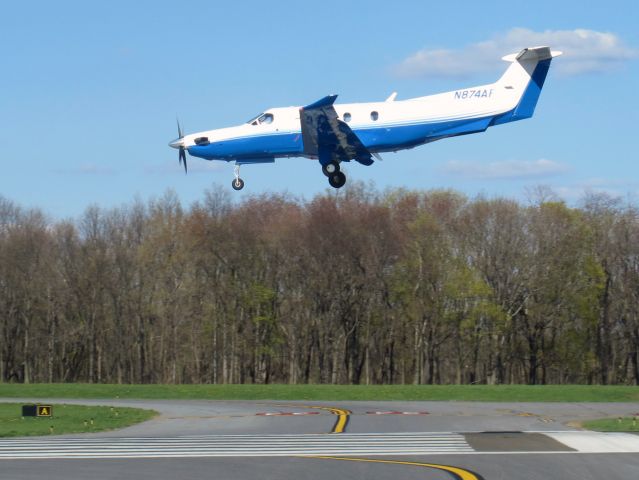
(335,133)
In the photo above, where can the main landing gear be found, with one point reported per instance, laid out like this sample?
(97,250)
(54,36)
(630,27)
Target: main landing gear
(336,178)
(238,183)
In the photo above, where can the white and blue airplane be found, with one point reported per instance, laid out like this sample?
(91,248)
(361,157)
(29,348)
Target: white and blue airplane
(334,133)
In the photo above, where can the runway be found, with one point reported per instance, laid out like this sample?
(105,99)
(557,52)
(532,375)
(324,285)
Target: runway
(403,440)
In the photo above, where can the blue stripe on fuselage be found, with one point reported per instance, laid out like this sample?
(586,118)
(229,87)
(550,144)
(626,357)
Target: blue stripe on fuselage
(256,146)
(375,138)
(405,136)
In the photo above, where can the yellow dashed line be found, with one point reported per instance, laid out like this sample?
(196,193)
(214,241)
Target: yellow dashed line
(458,473)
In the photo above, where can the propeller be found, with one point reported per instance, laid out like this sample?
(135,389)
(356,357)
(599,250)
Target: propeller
(180,144)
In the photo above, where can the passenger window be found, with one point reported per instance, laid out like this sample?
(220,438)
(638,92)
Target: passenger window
(347,117)
(374,116)
(266,119)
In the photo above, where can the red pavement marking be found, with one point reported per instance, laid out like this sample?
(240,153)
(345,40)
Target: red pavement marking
(396,413)
(280,414)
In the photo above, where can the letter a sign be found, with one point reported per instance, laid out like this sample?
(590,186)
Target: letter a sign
(44,411)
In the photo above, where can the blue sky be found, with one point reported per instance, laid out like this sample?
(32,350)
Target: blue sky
(89,93)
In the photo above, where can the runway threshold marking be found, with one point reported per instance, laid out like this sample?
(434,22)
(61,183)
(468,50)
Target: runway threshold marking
(456,472)
(319,444)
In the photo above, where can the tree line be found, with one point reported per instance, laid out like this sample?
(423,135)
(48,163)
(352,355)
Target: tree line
(358,286)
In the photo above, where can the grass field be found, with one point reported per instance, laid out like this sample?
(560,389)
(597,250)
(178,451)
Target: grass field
(480,393)
(626,424)
(68,419)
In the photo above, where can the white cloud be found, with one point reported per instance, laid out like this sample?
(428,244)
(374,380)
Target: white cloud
(584,51)
(505,169)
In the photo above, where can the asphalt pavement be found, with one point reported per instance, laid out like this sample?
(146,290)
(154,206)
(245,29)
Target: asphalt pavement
(352,440)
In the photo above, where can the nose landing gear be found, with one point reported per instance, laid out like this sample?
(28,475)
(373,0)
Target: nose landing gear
(238,183)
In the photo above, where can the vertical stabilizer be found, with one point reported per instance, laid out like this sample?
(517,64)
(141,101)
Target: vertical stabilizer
(526,77)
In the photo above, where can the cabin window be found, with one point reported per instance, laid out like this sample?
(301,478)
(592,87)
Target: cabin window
(347,117)
(374,116)
(265,119)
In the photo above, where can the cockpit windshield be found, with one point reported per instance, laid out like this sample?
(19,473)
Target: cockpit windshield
(262,118)
(254,119)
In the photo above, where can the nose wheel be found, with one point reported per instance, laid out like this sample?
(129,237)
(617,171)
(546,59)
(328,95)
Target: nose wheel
(238,183)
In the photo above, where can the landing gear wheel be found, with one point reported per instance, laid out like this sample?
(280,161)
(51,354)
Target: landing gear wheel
(337,180)
(330,168)
(237,184)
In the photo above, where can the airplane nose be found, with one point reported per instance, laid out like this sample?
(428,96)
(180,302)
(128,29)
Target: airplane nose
(177,143)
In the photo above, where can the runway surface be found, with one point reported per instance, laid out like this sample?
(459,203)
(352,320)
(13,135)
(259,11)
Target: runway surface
(286,440)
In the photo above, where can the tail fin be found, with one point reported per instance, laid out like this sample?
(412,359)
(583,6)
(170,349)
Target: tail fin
(525,76)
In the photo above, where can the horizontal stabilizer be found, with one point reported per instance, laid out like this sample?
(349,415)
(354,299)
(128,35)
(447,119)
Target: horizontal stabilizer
(533,53)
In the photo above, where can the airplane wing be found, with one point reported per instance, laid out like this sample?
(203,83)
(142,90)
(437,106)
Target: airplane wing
(328,137)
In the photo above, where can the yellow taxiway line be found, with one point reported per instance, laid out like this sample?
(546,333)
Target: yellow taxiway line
(458,473)
(342,415)
(342,418)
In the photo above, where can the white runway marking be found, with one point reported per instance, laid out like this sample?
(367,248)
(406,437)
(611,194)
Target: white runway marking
(597,442)
(236,446)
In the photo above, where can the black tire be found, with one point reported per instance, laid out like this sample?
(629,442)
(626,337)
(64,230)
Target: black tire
(330,168)
(337,180)
(237,184)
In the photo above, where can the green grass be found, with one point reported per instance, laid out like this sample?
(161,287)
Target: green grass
(626,424)
(68,419)
(480,393)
